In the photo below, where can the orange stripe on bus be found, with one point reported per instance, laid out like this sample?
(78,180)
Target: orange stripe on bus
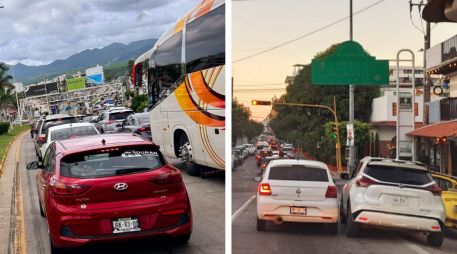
(192,111)
(204,92)
(180,25)
(205,8)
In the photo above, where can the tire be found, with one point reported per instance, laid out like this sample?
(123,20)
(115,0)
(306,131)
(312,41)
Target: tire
(182,239)
(41,210)
(353,228)
(190,167)
(343,217)
(435,239)
(332,228)
(261,225)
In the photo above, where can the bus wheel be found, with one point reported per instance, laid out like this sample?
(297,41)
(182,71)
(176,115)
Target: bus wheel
(185,153)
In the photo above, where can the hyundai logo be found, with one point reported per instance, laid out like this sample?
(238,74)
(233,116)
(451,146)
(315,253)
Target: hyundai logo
(298,191)
(120,186)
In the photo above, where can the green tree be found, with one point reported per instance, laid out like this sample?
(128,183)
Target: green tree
(139,103)
(242,126)
(305,126)
(7,95)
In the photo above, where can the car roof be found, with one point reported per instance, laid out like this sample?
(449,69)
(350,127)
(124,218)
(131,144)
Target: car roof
(57,116)
(140,114)
(308,163)
(69,125)
(93,142)
(378,161)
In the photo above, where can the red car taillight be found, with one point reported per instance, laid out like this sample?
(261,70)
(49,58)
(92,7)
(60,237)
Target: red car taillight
(143,129)
(174,176)
(331,192)
(41,139)
(364,182)
(435,189)
(264,189)
(60,188)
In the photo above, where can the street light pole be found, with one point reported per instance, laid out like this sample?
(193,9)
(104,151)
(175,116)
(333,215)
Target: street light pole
(15,88)
(351,98)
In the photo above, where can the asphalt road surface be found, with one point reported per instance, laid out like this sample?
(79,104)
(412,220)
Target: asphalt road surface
(207,200)
(312,238)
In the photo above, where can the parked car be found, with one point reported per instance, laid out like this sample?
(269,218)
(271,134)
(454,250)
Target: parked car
(239,155)
(33,127)
(137,123)
(111,120)
(448,185)
(45,124)
(250,148)
(236,158)
(111,188)
(297,191)
(66,131)
(393,194)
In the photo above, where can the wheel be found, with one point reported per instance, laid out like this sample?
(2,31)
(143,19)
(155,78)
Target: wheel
(41,210)
(185,153)
(435,239)
(343,217)
(332,228)
(261,225)
(182,239)
(353,228)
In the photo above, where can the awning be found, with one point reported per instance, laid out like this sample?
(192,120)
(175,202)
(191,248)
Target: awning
(437,130)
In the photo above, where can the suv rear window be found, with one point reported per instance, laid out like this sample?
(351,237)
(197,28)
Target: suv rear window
(119,115)
(121,160)
(73,132)
(298,173)
(55,122)
(398,174)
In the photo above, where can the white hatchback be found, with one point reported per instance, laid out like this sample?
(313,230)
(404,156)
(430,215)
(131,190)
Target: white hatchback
(297,191)
(393,194)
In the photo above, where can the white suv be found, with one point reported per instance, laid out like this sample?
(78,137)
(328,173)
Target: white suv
(392,194)
(297,191)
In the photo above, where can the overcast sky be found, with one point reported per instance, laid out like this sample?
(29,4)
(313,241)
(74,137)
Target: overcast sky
(261,24)
(46,30)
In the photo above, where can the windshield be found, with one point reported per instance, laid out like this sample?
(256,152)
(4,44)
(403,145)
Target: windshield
(120,115)
(298,173)
(73,132)
(56,122)
(101,163)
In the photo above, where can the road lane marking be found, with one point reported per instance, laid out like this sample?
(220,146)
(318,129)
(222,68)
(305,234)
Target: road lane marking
(237,212)
(23,243)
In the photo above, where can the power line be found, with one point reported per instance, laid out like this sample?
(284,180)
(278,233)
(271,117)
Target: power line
(308,34)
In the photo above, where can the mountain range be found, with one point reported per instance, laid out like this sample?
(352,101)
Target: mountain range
(113,53)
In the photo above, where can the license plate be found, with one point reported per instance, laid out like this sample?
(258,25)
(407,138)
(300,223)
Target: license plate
(400,201)
(298,210)
(124,225)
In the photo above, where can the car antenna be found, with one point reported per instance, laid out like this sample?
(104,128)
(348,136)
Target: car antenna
(103,141)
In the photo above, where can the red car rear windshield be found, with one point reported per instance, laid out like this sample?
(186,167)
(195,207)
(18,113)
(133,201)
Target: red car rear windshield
(298,173)
(111,162)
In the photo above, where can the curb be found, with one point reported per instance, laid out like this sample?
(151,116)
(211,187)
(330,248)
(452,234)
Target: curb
(2,162)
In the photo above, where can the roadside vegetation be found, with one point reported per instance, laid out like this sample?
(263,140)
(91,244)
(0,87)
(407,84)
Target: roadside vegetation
(5,139)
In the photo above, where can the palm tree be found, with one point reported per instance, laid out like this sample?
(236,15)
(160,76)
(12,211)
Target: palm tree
(7,96)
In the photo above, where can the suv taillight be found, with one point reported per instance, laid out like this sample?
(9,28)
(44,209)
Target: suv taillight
(264,189)
(41,139)
(435,189)
(364,182)
(331,192)
(60,188)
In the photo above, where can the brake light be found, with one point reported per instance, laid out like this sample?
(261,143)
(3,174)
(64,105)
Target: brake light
(364,182)
(41,139)
(435,189)
(143,129)
(60,188)
(331,192)
(174,176)
(264,189)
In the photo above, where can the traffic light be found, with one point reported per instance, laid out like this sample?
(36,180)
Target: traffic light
(262,103)
(334,130)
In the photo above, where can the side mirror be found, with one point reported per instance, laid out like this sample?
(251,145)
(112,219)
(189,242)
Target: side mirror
(34,165)
(344,176)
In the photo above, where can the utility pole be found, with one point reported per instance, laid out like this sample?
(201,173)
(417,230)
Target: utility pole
(427,84)
(351,99)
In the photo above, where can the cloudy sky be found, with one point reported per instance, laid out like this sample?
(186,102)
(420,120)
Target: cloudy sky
(261,24)
(46,30)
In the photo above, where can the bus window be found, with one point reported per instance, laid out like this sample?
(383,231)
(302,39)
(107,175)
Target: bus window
(168,60)
(205,41)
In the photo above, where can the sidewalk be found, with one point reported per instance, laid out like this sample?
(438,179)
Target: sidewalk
(6,195)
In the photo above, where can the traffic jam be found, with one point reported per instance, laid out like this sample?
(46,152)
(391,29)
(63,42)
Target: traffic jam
(297,195)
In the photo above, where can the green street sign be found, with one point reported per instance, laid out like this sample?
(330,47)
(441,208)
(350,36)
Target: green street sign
(349,65)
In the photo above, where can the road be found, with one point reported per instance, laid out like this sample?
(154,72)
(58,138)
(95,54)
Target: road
(207,200)
(311,238)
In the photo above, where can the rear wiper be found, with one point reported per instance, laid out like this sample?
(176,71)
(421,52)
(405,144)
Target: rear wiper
(129,170)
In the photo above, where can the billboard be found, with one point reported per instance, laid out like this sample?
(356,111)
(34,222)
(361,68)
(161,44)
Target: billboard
(41,89)
(95,75)
(76,83)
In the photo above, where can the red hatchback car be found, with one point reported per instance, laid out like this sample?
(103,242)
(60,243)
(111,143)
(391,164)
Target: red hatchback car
(110,187)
